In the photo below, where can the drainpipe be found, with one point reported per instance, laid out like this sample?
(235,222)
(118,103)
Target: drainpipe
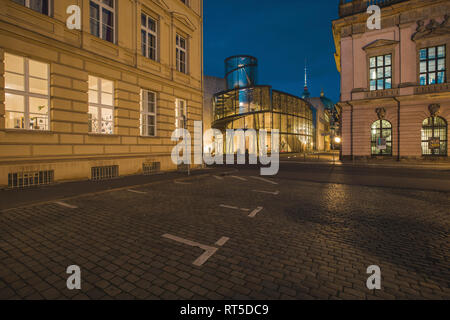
(398,128)
(351,131)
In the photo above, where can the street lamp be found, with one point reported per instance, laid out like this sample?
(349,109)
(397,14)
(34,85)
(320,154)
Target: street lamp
(338,140)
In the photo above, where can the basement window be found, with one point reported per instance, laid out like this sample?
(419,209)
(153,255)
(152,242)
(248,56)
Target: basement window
(151,168)
(104,173)
(30,179)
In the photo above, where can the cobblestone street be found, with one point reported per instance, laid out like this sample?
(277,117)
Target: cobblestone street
(284,238)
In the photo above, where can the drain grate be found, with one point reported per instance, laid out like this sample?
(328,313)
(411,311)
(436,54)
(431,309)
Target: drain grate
(30,179)
(104,173)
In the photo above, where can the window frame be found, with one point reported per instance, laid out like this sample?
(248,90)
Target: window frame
(144,128)
(27,5)
(186,2)
(179,118)
(148,33)
(100,29)
(434,128)
(101,106)
(26,94)
(180,49)
(384,78)
(380,132)
(435,59)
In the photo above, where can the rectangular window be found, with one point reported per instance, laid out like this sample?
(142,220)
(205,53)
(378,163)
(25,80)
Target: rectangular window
(149,37)
(186,2)
(148,113)
(432,65)
(102,18)
(181,54)
(380,72)
(42,6)
(101,106)
(26,93)
(180,113)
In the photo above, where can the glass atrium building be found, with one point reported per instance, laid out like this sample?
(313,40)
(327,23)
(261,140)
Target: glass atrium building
(245,105)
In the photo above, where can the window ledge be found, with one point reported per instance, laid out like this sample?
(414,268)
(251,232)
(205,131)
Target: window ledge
(432,88)
(382,93)
(102,134)
(27,131)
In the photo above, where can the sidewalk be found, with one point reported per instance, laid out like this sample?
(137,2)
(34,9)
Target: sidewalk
(13,198)
(333,159)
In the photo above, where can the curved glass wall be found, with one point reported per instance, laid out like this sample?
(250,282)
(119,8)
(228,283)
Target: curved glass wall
(260,108)
(241,71)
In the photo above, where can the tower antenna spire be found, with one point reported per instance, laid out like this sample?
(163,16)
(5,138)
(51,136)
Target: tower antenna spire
(306,74)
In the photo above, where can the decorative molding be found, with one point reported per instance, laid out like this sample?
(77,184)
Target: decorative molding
(432,29)
(381,113)
(382,93)
(380,43)
(432,88)
(434,109)
(162,4)
(184,19)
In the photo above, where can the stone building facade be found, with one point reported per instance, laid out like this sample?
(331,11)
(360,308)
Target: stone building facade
(395,90)
(98,102)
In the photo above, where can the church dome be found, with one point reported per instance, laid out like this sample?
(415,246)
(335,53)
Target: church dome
(327,103)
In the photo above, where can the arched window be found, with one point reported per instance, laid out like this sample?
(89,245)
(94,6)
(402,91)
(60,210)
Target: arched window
(381,138)
(434,137)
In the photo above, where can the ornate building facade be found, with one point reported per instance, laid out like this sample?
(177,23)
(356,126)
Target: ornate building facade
(98,102)
(395,90)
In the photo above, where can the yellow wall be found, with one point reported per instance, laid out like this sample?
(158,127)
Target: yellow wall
(73,55)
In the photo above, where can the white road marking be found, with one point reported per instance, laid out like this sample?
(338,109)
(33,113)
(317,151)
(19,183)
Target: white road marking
(234,208)
(255,212)
(135,191)
(63,204)
(239,178)
(180,182)
(218,178)
(265,180)
(267,192)
(222,241)
(209,250)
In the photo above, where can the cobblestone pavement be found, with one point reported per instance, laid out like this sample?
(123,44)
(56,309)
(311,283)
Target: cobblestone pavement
(310,241)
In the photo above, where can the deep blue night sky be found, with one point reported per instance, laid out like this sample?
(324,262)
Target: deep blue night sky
(281,34)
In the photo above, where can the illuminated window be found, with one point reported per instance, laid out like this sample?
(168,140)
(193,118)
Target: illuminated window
(434,137)
(148,113)
(26,93)
(42,6)
(102,19)
(181,54)
(432,65)
(101,106)
(380,72)
(180,113)
(381,138)
(148,37)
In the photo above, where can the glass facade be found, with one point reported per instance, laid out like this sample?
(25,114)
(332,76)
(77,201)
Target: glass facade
(259,108)
(241,71)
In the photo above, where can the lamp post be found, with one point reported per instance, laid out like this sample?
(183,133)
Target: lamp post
(185,140)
